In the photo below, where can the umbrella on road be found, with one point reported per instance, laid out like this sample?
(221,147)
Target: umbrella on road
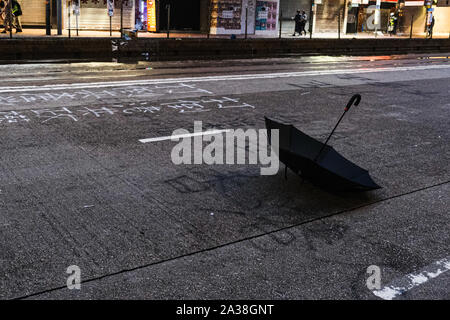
(318,162)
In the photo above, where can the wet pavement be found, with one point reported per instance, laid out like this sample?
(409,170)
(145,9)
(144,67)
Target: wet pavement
(79,188)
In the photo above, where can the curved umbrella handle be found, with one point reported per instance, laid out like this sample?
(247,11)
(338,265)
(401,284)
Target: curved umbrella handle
(355,100)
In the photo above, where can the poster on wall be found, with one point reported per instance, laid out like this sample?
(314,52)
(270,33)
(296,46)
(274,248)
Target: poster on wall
(76,7)
(226,15)
(110,8)
(151,15)
(266,15)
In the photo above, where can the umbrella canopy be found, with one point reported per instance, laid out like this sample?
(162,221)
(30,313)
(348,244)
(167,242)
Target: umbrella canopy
(318,162)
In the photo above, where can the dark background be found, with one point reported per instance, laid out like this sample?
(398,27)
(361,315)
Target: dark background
(184,15)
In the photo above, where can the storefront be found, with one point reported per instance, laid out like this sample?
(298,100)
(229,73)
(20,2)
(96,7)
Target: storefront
(84,14)
(94,14)
(326,15)
(240,16)
(361,15)
(419,13)
(351,16)
(182,15)
(33,12)
(226,16)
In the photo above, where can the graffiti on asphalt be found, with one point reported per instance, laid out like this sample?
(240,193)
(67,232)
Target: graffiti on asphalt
(15,98)
(78,113)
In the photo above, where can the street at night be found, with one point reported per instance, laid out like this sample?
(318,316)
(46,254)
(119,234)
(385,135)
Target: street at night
(88,180)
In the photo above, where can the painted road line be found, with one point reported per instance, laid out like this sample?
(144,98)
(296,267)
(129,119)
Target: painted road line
(187,135)
(412,280)
(257,76)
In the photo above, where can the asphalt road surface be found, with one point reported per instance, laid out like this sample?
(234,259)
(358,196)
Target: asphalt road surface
(79,188)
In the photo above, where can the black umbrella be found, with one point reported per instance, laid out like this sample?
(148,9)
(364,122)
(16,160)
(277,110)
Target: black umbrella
(318,162)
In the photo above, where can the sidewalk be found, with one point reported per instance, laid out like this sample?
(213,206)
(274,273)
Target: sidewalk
(286,34)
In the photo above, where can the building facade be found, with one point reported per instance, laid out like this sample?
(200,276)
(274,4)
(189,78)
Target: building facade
(227,17)
(352,16)
(417,14)
(218,16)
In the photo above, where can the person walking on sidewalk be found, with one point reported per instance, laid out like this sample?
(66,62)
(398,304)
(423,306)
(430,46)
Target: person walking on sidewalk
(430,28)
(297,19)
(3,17)
(303,20)
(392,27)
(17,13)
(12,13)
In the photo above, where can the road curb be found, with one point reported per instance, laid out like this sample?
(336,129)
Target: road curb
(106,49)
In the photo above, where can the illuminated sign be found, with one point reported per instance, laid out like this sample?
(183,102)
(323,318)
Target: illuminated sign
(110,7)
(151,15)
(413,3)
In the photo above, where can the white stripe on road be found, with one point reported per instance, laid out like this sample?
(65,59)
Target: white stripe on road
(274,75)
(187,135)
(412,280)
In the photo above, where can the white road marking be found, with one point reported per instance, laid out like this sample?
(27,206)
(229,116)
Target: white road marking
(274,75)
(187,135)
(412,280)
